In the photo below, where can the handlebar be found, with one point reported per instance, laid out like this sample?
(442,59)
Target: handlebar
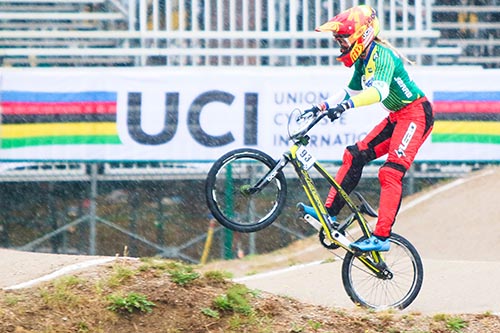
(311,120)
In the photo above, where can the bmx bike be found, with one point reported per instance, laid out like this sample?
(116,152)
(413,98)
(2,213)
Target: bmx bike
(246,191)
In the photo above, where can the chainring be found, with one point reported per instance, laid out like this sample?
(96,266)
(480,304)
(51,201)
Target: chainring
(326,242)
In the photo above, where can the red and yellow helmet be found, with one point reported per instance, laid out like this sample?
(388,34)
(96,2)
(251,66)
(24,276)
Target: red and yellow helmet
(354,29)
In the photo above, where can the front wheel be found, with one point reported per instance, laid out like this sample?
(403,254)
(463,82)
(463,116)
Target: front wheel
(398,291)
(231,196)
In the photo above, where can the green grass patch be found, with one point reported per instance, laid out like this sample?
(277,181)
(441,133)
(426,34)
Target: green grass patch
(132,302)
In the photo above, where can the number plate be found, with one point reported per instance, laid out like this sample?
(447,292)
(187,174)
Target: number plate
(305,158)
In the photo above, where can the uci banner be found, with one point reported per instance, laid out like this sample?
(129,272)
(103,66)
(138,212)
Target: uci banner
(197,114)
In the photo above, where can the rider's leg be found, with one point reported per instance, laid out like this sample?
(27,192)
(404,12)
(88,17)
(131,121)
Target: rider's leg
(374,145)
(391,183)
(412,128)
(413,125)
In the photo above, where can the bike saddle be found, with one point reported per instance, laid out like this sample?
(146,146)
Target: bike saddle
(365,206)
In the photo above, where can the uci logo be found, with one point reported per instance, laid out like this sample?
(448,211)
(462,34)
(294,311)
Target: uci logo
(194,124)
(356,51)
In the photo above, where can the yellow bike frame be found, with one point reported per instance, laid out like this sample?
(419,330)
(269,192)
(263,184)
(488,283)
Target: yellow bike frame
(312,194)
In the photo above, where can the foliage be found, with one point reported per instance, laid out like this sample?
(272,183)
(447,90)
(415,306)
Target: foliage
(456,324)
(210,312)
(130,303)
(182,274)
(235,299)
(120,274)
(217,276)
(59,293)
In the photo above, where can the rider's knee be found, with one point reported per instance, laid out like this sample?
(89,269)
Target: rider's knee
(358,158)
(391,172)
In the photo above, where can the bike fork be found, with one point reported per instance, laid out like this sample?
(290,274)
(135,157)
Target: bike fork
(269,176)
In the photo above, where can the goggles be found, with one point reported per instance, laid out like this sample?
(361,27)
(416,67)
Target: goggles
(343,41)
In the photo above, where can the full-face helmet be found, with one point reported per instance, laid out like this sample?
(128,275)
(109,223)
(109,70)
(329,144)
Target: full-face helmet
(354,29)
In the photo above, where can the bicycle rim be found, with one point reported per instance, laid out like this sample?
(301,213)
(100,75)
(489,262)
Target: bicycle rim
(366,289)
(226,198)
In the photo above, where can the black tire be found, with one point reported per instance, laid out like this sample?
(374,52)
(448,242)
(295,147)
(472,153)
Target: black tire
(227,202)
(368,290)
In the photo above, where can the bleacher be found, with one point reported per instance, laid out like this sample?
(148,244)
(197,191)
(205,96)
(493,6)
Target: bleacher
(30,27)
(473,28)
(232,32)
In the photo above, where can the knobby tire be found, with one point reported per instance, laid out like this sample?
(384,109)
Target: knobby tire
(226,181)
(367,290)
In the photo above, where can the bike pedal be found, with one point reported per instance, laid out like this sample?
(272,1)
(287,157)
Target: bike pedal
(358,253)
(300,207)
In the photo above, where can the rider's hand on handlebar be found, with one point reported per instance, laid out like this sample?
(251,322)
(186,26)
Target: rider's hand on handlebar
(335,112)
(316,108)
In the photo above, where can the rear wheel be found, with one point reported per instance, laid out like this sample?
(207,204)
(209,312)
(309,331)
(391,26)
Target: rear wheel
(397,291)
(228,193)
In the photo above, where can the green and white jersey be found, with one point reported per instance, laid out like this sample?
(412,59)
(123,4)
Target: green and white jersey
(383,65)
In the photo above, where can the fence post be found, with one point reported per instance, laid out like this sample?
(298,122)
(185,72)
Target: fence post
(93,209)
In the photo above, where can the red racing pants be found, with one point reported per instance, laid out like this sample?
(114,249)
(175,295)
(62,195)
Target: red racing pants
(400,136)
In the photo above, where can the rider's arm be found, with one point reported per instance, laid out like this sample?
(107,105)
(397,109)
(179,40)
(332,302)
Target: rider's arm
(356,98)
(376,93)
(334,99)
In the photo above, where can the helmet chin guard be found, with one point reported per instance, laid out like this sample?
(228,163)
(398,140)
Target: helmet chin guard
(354,29)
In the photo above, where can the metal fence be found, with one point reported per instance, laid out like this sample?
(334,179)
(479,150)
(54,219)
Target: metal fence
(149,209)
(200,32)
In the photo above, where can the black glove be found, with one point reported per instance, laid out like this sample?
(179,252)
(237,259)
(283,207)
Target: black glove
(335,112)
(314,109)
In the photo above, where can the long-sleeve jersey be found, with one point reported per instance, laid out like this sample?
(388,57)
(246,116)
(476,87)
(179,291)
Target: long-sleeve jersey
(381,77)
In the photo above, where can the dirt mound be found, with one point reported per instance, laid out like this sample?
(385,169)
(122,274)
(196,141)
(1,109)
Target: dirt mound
(160,296)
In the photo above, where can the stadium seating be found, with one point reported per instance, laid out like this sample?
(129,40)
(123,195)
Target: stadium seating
(232,32)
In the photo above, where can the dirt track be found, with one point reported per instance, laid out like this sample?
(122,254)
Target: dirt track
(455,228)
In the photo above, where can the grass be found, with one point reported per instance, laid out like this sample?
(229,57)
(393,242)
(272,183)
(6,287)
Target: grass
(120,275)
(182,274)
(454,324)
(217,276)
(59,293)
(157,295)
(235,300)
(130,303)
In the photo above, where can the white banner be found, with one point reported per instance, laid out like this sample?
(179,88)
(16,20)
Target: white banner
(197,114)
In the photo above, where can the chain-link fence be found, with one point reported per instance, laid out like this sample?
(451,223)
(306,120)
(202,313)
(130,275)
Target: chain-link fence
(145,209)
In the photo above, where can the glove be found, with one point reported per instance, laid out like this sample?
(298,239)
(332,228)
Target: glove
(316,108)
(335,112)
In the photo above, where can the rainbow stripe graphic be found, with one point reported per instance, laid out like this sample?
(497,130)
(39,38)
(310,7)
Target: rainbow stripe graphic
(42,118)
(467,116)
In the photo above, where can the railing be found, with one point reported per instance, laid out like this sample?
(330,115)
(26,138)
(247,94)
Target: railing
(232,32)
(199,32)
(475,29)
